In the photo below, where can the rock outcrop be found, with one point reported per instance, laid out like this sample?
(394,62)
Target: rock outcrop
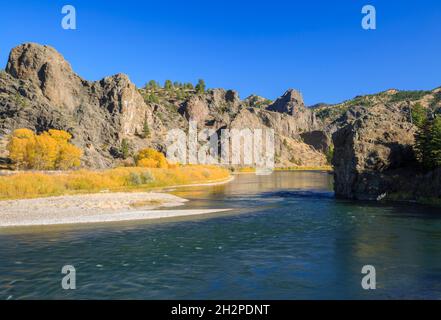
(370,151)
(291,103)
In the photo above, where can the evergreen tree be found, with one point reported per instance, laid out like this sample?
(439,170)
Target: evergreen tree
(428,144)
(152,98)
(152,84)
(168,85)
(145,130)
(422,145)
(189,86)
(125,148)
(419,115)
(200,87)
(435,142)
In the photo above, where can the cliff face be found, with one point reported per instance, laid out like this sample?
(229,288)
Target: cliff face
(373,140)
(369,149)
(39,90)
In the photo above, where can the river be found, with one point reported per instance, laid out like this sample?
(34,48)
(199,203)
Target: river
(286,237)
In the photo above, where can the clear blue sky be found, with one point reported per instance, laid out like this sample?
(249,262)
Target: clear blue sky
(261,47)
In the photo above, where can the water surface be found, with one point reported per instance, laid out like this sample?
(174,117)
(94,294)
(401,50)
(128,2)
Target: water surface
(286,238)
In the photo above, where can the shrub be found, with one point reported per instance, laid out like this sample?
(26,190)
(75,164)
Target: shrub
(134,179)
(150,158)
(147,177)
(409,95)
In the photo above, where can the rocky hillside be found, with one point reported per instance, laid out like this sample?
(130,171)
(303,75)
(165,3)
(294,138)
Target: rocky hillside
(374,139)
(39,90)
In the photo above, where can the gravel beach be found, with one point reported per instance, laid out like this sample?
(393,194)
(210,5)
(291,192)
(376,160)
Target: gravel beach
(93,208)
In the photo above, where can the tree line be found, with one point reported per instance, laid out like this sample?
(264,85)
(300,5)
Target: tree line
(200,87)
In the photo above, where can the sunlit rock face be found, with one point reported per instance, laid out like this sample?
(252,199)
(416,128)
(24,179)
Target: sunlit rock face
(370,151)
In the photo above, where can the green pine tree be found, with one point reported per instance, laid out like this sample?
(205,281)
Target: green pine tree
(419,115)
(125,148)
(168,85)
(200,87)
(145,130)
(435,142)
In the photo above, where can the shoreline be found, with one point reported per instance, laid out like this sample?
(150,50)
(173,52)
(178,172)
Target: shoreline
(94,208)
(101,207)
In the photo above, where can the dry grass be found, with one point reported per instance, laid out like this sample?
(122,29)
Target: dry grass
(31,185)
(244,170)
(305,168)
(297,168)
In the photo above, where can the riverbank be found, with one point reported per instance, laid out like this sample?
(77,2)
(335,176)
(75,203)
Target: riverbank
(247,170)
(93,208)
(26,185)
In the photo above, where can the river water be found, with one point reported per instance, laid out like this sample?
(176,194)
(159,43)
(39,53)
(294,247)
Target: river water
(287,237)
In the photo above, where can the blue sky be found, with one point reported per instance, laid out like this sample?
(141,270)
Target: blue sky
(256,47)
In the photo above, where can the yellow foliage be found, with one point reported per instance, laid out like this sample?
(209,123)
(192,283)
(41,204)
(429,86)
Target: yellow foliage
(23,133)
(49,150)
(60,135)
(18,150)
(68,157)
(29,185)
(148,163)
(150,158)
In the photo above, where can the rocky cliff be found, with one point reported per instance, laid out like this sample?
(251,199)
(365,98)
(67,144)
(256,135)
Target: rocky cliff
(39,90)
(374,155)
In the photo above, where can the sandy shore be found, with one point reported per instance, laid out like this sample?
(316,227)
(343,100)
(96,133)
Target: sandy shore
(93,208)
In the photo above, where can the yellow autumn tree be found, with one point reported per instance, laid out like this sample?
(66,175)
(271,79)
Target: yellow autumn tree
(150,158)
(47,151)
(69,157)
(18,147)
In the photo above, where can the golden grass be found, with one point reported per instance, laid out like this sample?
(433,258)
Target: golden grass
(297,168)
(305,168)
(244,170)
(32,185)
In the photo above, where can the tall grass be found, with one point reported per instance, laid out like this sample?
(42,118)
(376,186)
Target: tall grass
(305,168)
(31,185)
